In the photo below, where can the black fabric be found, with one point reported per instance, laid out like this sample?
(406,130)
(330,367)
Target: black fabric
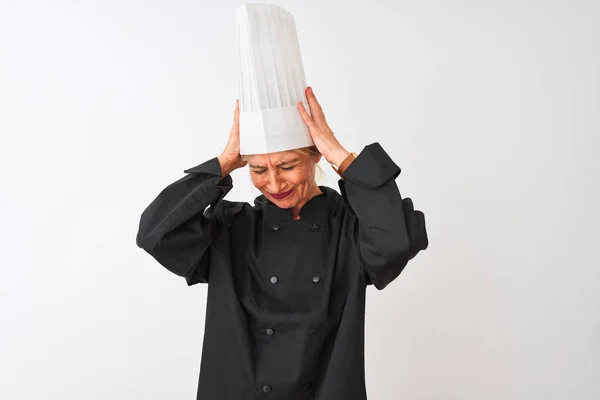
(286,298)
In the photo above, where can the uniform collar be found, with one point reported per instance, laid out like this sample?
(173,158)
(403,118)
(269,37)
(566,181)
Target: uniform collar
(316,208)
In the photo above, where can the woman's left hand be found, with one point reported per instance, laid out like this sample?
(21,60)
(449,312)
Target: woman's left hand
(319,130)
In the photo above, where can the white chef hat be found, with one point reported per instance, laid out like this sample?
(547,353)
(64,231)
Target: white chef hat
(271,81)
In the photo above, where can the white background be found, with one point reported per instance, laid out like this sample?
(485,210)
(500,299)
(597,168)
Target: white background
(491,109)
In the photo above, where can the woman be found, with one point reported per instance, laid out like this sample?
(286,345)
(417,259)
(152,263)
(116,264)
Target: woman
(287,276)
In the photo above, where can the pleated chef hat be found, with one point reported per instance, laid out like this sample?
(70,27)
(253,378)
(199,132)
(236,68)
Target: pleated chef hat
(271,80)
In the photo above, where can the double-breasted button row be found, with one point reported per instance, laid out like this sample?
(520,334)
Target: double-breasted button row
(315,226)
(274,279)
(271,331)
(268,388)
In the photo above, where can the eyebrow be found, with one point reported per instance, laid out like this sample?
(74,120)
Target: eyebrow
(278,165)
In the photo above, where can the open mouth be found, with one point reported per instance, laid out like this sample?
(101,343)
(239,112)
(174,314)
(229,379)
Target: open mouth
(282,195)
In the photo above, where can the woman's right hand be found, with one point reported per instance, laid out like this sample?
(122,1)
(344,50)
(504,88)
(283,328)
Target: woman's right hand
(231,159)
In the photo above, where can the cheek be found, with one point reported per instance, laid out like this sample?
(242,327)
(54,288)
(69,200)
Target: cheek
(300,176)
(257,181)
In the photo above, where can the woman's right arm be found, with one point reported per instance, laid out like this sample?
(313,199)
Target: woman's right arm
(174,228)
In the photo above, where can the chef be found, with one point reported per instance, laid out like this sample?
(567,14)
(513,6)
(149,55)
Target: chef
(287,275)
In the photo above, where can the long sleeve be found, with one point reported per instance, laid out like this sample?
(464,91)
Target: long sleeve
(176,230)
(387,229)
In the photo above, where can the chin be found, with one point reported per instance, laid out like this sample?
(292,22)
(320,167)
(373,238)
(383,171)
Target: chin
(288,202)
(284,203)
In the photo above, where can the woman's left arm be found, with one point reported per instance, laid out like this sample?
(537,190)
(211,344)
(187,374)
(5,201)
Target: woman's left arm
(388,231)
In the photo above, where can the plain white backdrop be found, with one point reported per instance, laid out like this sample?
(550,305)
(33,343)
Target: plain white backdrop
(491,109)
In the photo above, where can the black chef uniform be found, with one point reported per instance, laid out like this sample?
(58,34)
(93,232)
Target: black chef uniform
(286,298)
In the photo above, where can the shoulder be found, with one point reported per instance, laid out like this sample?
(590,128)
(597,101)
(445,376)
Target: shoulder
(336,204)
(334,197)
(226,211)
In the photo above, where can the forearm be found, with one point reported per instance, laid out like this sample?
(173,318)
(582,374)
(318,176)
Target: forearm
(180,201)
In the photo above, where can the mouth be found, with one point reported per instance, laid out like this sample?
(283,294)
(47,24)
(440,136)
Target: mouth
(281,195)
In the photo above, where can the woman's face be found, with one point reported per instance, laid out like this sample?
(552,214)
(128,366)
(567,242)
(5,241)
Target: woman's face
(286,178)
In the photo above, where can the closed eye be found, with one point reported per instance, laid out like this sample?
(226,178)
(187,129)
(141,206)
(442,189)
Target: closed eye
(262,171)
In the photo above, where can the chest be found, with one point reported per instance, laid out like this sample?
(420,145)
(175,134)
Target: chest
(289,267)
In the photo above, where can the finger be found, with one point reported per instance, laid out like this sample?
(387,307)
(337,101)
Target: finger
(315,107)
(236,116)
(305,117)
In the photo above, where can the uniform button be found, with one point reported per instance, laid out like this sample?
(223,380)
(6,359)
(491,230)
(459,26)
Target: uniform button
(276,227)
(270,332)
(312,332)
(274,279)
(316,279)
(316,226)
(266,389)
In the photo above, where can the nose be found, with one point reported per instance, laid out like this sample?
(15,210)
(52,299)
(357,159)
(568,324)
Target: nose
(275,183)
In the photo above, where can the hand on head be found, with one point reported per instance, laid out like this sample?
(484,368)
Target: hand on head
(231,159)
(322,136)
(319,130)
